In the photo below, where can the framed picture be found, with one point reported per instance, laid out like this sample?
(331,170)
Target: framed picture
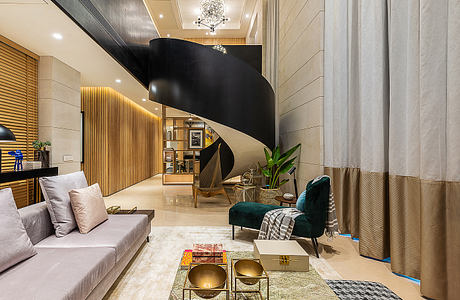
(195,138)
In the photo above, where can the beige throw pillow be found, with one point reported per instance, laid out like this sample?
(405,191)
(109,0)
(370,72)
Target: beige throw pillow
(88,207)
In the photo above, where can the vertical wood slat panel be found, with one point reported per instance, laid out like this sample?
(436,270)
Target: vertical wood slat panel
(18,112)
(215,41)
(122,141)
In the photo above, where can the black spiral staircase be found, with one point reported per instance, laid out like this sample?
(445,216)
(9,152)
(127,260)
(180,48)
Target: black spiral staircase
(223,90)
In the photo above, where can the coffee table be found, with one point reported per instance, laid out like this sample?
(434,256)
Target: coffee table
(283,285)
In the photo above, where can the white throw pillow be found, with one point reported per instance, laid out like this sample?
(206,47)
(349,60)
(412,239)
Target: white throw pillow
(15,244)
(56,192)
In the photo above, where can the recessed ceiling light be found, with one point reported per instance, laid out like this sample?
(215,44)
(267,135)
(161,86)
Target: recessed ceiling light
(207,33)
(247,16)
(213,33)
(118,80)
(156,108)
(168,35)
(57,36)
(143,99)
(161,16)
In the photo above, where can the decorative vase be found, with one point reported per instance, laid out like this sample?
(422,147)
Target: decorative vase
(43,156)
(267,196)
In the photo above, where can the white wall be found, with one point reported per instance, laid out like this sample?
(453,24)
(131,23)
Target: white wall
(300,89)
(59,112)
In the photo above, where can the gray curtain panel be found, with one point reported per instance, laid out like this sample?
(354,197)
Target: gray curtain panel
(392,132)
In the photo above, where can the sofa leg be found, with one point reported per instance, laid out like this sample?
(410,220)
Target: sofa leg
(148,239)
(314,241)
(233,232)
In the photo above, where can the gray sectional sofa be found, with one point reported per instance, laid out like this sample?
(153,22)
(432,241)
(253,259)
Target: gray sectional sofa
(76,266)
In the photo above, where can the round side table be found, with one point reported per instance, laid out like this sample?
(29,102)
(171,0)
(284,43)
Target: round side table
(289,202)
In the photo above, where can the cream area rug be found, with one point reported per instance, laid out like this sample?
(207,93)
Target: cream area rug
(151,274)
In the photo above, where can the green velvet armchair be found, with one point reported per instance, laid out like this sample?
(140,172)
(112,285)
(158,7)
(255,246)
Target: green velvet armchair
(309,225)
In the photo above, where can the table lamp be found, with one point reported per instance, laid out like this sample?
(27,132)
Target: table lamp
(6,135)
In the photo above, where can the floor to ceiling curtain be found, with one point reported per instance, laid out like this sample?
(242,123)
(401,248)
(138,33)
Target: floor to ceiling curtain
(392,133)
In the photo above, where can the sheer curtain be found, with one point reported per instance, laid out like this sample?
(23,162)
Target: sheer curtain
(392,132)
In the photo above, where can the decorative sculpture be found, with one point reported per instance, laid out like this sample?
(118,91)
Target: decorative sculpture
(18,159)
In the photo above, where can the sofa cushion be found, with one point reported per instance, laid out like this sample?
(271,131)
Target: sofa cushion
(15,244)
(37,222)
(57,274)
(118,232)
(56,193)
(250,215)
(88,207)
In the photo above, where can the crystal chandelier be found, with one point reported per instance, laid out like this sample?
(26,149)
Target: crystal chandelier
(212,14)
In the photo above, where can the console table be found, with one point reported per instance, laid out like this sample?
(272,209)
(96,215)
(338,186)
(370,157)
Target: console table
(11,176)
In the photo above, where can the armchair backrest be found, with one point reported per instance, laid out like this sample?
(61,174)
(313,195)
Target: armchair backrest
(317,203)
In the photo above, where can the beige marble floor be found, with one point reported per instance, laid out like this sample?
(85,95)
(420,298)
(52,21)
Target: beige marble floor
(173,207)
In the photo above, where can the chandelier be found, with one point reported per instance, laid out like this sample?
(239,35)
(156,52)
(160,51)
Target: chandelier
(212,14)
(220,48)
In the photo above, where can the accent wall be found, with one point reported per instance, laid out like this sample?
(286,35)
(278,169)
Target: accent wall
(122,142)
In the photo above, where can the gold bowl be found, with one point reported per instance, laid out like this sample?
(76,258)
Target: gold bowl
(249,268)
(207,276)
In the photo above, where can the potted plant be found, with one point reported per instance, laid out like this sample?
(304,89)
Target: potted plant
(276,164)
(40,153)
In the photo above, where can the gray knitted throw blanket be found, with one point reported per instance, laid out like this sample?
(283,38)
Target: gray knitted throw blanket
(278,224)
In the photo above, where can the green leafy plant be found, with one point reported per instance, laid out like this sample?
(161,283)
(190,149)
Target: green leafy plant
(277,164)
(40,145)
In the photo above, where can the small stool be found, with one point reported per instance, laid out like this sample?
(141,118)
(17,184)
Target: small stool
(289,202)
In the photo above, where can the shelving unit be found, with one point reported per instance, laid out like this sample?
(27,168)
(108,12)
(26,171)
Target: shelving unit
(180,162)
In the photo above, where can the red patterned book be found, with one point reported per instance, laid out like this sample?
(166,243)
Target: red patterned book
(187,259)
(207,250)
(208,259)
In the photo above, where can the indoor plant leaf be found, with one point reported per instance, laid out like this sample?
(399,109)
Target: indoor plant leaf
(287,166)
(287,154)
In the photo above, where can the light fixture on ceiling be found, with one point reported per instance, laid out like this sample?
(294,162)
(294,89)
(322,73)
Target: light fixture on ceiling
(161,16)
(212,14)
(168,35)
(220,48)
(156,108)
(118,80)
(143,99)
(57,36)
(247,16)
(207,33)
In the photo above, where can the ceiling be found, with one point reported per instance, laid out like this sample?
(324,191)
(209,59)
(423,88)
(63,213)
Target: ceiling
(31,25)
(178,17)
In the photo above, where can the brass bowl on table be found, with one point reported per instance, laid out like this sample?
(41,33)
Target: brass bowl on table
(207,276)
(249,268)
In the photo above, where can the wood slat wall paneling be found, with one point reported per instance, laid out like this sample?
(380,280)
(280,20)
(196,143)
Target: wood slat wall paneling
(18,110)
(122,140)
(215,41)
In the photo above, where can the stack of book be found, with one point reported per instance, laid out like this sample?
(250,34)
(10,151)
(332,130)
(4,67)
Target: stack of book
(204,254)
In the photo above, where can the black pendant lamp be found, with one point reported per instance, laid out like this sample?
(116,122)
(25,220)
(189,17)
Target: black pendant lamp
(6,135)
